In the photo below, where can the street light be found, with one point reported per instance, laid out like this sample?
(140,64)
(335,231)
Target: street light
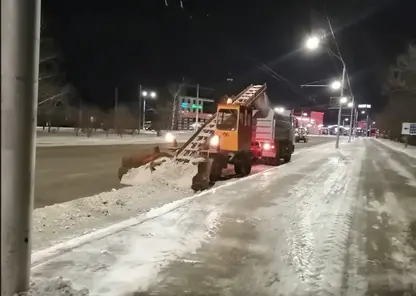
(336,85)
(146,94)
(343,100)
(312,43)
(350,105)
(366,107)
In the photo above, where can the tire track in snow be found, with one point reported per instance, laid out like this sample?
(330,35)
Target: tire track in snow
(321,223)
(391,260)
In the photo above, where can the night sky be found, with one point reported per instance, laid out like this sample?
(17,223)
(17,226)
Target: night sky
(124,43)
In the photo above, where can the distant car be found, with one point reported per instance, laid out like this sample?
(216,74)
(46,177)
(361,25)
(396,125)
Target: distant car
(301,135)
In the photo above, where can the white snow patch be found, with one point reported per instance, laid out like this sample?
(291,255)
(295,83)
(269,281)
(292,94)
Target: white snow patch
(53,287)
(53,224)
(169,171)
(399,168)
(409,150)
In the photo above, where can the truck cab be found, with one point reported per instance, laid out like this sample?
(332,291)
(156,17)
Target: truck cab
(231,142)
(234,127)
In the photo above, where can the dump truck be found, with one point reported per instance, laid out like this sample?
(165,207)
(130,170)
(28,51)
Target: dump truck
(228,137)
(273,136)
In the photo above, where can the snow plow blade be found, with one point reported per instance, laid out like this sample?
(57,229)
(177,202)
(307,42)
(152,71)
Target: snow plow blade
(138,160)
(201,181)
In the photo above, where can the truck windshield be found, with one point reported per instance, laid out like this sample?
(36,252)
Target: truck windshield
(227,119)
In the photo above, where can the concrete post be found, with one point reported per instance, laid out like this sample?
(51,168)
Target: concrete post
(20,34)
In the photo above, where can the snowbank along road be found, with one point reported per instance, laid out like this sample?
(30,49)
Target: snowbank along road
(338,223)
(69,172)
(62,221)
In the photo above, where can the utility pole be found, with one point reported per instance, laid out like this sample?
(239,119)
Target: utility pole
(139,123)
(20,35)
(351,119)
(79,117)
(115,108)
(197,107)
(340,103)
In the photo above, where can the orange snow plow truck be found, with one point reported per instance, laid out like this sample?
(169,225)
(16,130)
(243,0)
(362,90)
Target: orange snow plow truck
(244,129)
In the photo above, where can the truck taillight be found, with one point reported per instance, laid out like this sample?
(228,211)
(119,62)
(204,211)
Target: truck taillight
(268,146)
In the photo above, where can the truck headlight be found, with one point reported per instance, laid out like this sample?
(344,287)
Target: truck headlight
(169,137)
(215,141)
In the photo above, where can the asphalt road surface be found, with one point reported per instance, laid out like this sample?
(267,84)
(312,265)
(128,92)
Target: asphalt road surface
(339,223)
(69,172)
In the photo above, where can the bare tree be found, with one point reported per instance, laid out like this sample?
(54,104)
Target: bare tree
(175,90)
(125,121)
(400,88)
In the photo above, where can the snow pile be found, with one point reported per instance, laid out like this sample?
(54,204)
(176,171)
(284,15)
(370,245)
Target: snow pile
(169,172)
(53,287)
(169,182)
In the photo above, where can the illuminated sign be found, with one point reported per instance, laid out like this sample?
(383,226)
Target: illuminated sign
(194,106)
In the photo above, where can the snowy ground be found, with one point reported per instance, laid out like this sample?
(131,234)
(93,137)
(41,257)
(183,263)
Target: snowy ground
(409,150)
(330,223)
(64,220)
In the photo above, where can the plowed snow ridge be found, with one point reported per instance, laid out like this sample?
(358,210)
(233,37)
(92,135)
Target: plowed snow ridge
(169,172)
(53,287)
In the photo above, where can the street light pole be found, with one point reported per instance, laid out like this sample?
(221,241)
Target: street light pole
(19,85)
(139,124)
(351,120)
(197,107)
(340,103)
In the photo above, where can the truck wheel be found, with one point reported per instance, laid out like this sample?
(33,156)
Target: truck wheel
(216,171)
(287,158)
(246,166)
(272,161)
(243,165)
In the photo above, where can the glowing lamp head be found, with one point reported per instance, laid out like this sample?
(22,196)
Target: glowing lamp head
(215,141)
(312,43)
(336,85)
(169,137)
(229,101)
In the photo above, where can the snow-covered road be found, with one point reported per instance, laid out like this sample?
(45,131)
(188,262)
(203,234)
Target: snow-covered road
(330,223)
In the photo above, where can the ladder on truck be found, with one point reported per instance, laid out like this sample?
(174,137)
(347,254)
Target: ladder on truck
(193,146)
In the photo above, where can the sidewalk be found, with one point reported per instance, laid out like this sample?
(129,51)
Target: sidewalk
(409,150)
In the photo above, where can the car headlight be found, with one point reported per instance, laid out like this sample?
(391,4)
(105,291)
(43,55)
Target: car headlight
(169,137)
(215,141)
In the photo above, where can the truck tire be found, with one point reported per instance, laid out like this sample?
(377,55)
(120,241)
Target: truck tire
(216,170)
(287,158)
(273,161)
(242,166)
